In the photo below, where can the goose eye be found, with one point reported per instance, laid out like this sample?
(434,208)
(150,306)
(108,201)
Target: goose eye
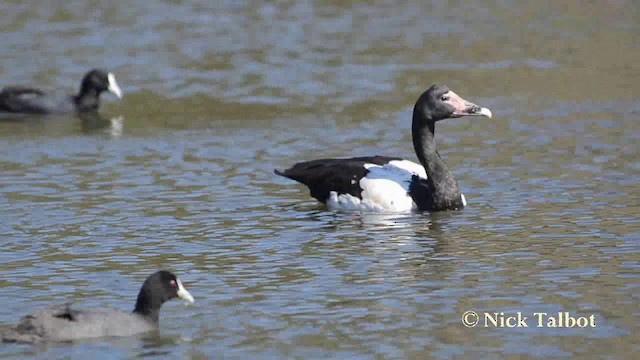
(444,98)
(172,283)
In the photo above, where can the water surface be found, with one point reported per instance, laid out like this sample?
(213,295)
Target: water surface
(178,175)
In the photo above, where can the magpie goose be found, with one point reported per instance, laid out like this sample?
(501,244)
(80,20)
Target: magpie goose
(391,184)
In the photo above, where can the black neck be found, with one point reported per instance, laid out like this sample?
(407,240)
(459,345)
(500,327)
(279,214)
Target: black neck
(444,191)
(88,99)
(147,306)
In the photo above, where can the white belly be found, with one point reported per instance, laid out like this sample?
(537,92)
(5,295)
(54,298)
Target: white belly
(384,189)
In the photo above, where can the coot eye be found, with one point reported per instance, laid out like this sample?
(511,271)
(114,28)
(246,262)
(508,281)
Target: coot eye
(444,98)
(172,283)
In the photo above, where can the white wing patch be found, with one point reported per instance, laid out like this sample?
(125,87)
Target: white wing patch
(409,166)
(384,189)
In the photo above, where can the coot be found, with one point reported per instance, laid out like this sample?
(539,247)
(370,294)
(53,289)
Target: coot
(26,100)
(63,323)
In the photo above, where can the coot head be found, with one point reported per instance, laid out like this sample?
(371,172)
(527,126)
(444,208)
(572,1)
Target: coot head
(160,287)
(439,103)
(98,80)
